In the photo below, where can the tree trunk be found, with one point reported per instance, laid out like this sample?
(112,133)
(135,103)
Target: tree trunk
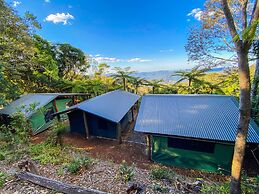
(190,82)
(244,118)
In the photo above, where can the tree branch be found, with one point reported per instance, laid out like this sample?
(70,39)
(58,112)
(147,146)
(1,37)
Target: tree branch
(244,14)
(231,23)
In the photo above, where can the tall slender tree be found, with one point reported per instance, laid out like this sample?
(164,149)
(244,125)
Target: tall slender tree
(122,75)
(155,84)
(229,28)
(137,82)
(191,76)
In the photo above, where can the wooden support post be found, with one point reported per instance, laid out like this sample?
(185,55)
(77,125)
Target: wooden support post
(149,147)
(86,126)
(119,133)
(56,108)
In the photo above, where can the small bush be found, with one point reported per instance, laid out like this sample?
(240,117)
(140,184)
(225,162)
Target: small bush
(55,135)
(2,157)
(126,172)
(159,173)
(74,166)
(3,179)
(79,163)
(86,162)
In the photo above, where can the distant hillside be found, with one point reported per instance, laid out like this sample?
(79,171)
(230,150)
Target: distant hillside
(165,74)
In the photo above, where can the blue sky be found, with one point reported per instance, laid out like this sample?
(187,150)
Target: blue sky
(147,35)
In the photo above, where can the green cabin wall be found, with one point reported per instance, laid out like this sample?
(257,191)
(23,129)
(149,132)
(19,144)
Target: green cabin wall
(221,157)
(37,120)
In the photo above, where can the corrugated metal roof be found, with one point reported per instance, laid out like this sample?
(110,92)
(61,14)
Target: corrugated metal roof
(24,102)
(213,117)
(41,99)
(112,105)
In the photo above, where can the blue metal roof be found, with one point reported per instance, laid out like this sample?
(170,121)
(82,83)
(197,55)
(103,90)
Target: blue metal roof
(112,106)
(23,103)
(212,117)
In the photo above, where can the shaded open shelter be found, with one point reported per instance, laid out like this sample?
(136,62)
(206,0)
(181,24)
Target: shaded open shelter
(192,131)
(39,108)
(105,116)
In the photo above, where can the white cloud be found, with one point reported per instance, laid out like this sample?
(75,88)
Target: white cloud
(107,59)
(101,59)
(138,60)
(16,3)
(166,50)
(59,18)
(47,1)
(70,6)
(196,13)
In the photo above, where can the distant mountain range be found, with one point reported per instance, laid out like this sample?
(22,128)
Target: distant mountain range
(166,74)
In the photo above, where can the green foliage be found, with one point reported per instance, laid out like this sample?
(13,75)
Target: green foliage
(160,173)
(126,172)
(79,163)
(74,166)
(47,153)
(122,76)
(3,178)
(55,133)
(70,59)
(248,185)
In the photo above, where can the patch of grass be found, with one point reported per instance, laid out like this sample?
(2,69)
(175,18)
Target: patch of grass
(49,154)
(248,185)
(3,178)
(126,172)
(160,173)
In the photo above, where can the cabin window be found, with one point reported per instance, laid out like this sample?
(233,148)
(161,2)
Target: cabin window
(186,144)
(48,116)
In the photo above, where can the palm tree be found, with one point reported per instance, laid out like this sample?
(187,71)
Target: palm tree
(155,84)
(190,76)
(137,82)
(123,75)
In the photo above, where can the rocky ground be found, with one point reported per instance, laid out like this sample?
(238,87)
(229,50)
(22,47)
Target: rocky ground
(103,176)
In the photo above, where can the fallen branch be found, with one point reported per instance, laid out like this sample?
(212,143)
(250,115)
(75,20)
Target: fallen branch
(56,185)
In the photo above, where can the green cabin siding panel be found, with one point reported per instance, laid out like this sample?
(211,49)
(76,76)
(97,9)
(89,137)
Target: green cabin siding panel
(38,122)
(62,105)
(38,119)
(221,157)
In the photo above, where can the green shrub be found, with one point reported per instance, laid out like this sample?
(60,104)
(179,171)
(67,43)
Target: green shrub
(86,162)
(2,157)
(78,163)
(160,173)
(74,166)
(126,172)
(3,179)
(55,134)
